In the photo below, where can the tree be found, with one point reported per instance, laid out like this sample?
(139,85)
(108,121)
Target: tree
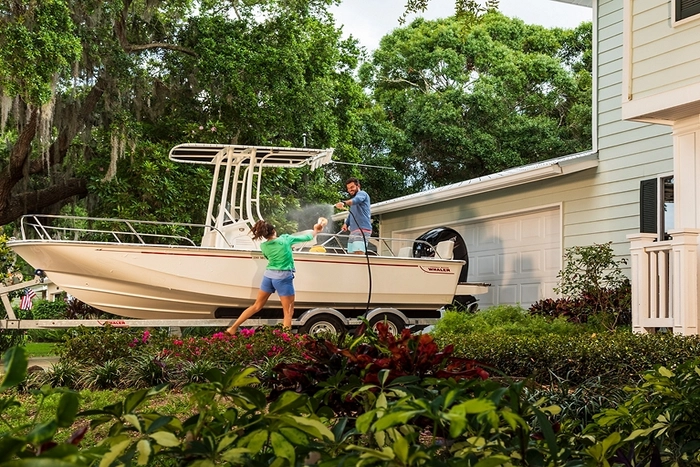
(129,77)
(471,98)
(64,72)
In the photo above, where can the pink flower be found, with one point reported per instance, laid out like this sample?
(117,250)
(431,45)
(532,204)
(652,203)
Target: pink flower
(145,337)
(247,332)
(201,127)
(177,342)
(213,129)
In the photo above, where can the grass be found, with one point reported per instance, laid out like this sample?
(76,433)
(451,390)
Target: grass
(41,349)
(31,411)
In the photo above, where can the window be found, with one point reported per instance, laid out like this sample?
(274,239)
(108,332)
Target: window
(656,206)
(686,8)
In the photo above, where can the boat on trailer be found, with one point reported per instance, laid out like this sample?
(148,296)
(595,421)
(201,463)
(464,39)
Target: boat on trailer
(180,271)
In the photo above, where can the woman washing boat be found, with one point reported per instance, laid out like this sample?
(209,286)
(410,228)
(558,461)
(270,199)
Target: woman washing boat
(279,275)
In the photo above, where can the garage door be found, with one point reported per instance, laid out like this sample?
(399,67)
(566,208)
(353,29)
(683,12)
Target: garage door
(519,254)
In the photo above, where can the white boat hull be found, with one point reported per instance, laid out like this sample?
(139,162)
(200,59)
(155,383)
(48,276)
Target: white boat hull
(175,282)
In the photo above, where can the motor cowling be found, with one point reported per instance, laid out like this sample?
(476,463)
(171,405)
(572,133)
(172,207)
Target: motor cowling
(441,234)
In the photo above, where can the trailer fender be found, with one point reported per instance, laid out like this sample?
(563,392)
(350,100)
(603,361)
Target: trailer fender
(308,314)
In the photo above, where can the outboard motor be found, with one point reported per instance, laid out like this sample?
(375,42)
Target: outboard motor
(441,234)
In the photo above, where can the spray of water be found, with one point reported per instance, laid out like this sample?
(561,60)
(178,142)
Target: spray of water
(308,215)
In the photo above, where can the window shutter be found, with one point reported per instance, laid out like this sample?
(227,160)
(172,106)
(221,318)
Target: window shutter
(687,8)
(648,205)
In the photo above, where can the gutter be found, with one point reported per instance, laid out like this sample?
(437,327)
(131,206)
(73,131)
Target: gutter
(508,178)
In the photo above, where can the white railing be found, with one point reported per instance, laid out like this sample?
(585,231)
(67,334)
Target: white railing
(49,228)
(665,282)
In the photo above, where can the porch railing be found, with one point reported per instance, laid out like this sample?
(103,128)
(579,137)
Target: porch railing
(665,282)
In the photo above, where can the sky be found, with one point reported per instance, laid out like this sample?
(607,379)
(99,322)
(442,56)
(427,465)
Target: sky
(370,20)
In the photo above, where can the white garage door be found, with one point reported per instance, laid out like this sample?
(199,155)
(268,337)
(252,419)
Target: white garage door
(520,255)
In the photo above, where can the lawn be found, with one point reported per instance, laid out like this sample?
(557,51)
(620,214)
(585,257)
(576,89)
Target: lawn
(41,349)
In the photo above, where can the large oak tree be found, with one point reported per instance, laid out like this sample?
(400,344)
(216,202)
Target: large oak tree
(466,99)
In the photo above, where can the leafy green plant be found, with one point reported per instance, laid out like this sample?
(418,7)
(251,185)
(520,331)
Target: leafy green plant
(61,374)
(97,345)
(341,371)
(502,319)
(593,286)
(196,371)
(146,370)
(46,309)
(34,441)
(103,375)
(657,425)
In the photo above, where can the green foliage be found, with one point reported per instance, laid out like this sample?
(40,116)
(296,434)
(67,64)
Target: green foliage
(463,99)
(97,345)
(151,357)
(590,270)
(37,43)
(45,309)
(6,259)
(105,375)
(657,425)
(401,419)
(618,358)
(594,287)
(502,319)
(344,370)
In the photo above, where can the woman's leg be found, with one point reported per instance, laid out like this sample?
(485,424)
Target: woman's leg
(288,310)
(260,302)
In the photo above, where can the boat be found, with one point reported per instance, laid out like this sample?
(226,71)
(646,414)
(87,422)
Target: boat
(164,270)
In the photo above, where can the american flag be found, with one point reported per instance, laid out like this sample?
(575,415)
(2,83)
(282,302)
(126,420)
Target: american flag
(26,302)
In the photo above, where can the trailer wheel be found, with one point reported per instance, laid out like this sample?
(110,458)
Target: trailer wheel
(395,324)
(321,324)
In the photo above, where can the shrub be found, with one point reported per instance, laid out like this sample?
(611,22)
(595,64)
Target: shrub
(11,338)
(63,374)
(106,375)
(98,345)
(618,357)
(504,319)
(593,287)
(657,425)
(147,370)
(250,346)
(45,309)
(375,357)
(75,309)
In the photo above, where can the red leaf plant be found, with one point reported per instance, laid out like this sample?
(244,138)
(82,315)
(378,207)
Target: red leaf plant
(334,371)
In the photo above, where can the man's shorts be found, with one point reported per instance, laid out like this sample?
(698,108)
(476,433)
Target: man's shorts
(281,282)
(357,245)
(356,242)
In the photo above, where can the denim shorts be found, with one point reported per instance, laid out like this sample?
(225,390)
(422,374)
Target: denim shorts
(281,282)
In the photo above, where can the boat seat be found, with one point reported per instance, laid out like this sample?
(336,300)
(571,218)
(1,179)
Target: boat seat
(445,249)
(406,252)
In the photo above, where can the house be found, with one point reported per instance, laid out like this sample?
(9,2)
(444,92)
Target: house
(637,188)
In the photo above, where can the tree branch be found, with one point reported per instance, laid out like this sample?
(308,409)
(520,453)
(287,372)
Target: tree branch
(37,201)
(159,45)
(18,157)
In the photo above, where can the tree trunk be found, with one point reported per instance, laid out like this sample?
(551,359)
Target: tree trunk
(18,158)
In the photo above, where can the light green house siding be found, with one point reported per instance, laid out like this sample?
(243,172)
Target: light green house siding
(663,58)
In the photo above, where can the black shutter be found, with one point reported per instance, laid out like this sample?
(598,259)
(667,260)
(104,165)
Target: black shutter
(648,205)
(687,8)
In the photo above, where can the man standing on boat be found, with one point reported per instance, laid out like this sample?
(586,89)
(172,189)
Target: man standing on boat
(359,221)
